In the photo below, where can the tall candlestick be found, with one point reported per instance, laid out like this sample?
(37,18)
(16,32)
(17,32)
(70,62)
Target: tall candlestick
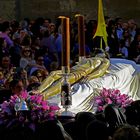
(65,44)
(66,97)
(81,35)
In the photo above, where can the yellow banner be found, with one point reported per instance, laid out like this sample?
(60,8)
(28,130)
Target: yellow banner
(101,26)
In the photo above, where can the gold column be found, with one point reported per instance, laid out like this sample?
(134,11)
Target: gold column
(66,98)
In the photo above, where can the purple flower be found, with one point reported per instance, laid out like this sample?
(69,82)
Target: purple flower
(24,94)
(33,97)
(45,107)
(54,107)
(111,96)
(39,99)
(99,101)
(118,101)
(108,101)
(39,109)
(105,92)
(100,108)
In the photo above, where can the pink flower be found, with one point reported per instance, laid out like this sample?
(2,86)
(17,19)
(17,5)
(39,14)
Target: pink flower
(45,105)
(24,94)
(33,97)
(39,99)
(54,107)
(104,92)
(14,97)
(116,92)
(108,101)
(39,109)
(111,96)
(118,101)
(98,101)
(51,114)
(100,108)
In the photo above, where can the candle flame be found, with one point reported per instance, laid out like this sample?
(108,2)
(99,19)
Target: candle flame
(61,17)
(77,15)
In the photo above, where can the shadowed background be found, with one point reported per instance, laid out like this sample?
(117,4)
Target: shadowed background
(19,9)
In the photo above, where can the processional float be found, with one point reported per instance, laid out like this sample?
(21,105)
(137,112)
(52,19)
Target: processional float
(66,97)
(59,82)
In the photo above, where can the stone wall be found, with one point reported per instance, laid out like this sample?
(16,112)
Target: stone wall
(7,9)
(47,8)
(53,8)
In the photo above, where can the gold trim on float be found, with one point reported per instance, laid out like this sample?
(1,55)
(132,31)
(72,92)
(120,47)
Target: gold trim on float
(84,71)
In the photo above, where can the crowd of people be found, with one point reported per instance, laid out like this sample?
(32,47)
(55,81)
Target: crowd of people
(31,49)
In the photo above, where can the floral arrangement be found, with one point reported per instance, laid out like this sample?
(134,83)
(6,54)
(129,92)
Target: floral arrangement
(110,96)
(31,108)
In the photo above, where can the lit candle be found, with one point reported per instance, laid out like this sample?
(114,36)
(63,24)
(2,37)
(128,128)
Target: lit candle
(81,35)
(65,44)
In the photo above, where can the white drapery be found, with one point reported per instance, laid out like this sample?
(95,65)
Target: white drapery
(123,75)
